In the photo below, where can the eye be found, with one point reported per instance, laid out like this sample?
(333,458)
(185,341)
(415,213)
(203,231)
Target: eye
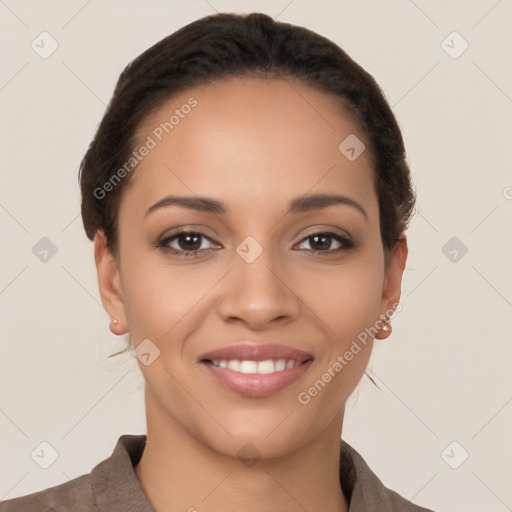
(186,243)
(322,241)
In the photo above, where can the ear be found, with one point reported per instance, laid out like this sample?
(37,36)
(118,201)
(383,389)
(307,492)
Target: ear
(393,278)
(109,284)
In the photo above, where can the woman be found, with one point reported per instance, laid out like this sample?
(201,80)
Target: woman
(248,195)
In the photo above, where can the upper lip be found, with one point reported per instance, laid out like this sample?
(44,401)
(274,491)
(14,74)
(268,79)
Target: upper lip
(256,352)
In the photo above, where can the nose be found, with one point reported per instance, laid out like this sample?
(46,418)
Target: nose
(258,294)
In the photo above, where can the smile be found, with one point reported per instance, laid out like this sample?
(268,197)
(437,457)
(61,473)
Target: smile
(256,369)
(256,379)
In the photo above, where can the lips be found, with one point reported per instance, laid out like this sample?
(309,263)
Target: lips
(256,370)
(256,352)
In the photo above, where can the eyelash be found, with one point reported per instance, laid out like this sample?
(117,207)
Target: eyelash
(347,244)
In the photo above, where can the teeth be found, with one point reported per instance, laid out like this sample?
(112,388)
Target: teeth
(266,366)
(248,367)
(280,365)
(234,365)
(262,367)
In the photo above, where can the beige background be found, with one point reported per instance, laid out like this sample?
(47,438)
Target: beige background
(444,373)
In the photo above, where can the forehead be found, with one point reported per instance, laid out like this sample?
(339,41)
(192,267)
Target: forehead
(248,141)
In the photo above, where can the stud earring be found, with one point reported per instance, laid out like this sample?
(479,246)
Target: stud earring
(386,329)
(114,321)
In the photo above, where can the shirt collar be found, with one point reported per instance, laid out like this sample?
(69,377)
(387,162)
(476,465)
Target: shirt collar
(117,488)
(114,482)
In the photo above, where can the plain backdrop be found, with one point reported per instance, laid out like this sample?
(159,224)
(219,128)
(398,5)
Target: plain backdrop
(438,431)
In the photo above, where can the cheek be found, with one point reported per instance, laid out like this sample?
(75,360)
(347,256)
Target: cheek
(346,298)
(157,296)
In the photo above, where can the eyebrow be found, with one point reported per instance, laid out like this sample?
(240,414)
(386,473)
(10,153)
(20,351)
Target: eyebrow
(297,205)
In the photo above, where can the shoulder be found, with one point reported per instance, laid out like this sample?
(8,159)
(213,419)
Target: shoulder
(369,493)
(111,485)
(76,495)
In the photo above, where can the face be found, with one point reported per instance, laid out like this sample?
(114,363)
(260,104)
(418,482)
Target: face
(260,263)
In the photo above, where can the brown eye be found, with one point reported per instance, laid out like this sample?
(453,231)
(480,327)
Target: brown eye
(186,243)
(321,242)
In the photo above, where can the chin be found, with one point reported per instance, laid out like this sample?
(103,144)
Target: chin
(272,433)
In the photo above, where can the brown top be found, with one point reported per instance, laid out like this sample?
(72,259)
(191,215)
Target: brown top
(112,486)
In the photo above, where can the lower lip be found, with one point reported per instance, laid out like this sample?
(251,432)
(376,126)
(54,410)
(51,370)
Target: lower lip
(256,384)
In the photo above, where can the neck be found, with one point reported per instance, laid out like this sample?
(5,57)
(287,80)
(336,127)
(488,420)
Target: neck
(178,472)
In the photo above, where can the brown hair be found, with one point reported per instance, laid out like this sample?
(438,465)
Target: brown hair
(224,45)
